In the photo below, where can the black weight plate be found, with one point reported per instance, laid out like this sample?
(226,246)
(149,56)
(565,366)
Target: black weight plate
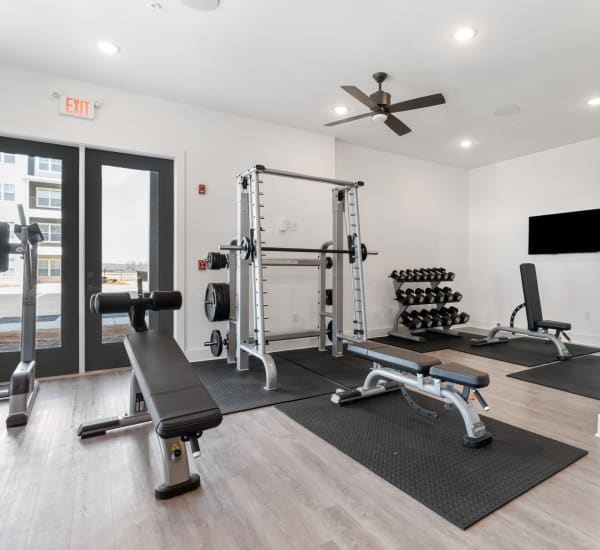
(4,248)
(216,302)
(216,343)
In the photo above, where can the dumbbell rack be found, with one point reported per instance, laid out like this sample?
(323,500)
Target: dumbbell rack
(400,330)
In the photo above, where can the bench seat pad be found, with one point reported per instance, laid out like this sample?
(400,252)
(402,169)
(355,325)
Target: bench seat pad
(394,357)
(178,403)
(553,325)
(460,374)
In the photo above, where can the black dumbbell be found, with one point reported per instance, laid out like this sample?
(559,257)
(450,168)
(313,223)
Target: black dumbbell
(428,297)
(464,318)
(426,320)
(436,320)
(441,296)
(404,299)
(452,312)
(410,322)
(448,276)
(411,275)
(418,297)
(456,297)
(444,320)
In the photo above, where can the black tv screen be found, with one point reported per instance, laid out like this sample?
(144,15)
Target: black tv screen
(570,232)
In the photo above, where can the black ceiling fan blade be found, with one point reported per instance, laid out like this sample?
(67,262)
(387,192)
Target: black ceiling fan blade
(336,122)
(417,103)
(397,125)
(360,96)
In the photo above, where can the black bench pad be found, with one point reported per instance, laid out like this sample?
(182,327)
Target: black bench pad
(392,356)
(553,325)
(460,374)
(178,403)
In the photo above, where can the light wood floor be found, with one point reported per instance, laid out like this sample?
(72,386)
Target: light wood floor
(270,484)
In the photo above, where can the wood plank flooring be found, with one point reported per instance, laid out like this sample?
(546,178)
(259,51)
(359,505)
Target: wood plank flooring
(268,483)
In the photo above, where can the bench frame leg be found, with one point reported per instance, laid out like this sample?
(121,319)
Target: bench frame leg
(176,468)
(476,436)
(562,354)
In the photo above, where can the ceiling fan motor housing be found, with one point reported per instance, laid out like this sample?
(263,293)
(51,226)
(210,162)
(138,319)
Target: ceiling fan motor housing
(381,98)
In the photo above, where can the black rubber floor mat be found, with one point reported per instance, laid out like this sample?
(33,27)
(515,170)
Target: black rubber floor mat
(348,371)
(426,459)
(580,375)
(237,391)
(527,352)
(433,341)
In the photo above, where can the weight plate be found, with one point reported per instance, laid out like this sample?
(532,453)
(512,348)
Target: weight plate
(330,330)
(216,343)
(216,302)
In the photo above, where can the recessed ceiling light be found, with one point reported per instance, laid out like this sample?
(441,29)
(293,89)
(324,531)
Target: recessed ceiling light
(466,144)
(464,34)
(202,5)
(341,110)
(108,48)
(594,102)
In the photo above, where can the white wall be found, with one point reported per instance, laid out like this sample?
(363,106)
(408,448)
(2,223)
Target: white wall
(501,199)
(208,147)
(414,213)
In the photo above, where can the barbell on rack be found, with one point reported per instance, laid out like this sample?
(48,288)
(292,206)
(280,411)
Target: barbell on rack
(247,250)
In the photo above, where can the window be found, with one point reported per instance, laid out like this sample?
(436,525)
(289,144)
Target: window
(47,198)
(7,192)
(51,232)
(49,268)
(7,158)
(49,165)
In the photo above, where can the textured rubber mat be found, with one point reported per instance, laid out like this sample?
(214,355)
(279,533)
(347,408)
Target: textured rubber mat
(239,391)
(433,341)
(580,375)
(527,352)
(349,371)
(426,459)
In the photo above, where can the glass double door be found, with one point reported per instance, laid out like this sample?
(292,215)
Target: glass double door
(128,243)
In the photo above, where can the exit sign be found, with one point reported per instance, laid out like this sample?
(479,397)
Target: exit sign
(76,106)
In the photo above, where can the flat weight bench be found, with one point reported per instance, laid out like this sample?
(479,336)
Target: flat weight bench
(537,326)
(163,389)
(395,368)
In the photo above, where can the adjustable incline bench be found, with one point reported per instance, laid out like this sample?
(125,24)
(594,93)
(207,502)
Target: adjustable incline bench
(163,389)
(537,326)
(395,368)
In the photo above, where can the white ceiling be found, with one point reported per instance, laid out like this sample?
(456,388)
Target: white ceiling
(284,60)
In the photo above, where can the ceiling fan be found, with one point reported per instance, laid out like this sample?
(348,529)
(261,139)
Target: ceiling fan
(381,110)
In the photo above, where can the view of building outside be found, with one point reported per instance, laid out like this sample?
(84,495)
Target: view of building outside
(36,183)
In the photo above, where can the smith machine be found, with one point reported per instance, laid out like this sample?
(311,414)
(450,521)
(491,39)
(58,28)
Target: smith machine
(246,259)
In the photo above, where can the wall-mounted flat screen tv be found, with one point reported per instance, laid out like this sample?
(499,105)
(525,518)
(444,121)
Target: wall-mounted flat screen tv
(565,233)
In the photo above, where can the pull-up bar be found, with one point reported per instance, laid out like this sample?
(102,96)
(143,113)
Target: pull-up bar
(260,169)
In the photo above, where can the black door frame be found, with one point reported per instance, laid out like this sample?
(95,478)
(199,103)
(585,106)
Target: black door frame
(161,269)
(64,359)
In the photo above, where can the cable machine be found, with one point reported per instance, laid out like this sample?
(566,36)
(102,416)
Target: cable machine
(247,258)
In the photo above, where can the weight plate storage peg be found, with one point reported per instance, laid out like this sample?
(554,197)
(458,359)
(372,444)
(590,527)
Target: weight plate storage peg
(216,302)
